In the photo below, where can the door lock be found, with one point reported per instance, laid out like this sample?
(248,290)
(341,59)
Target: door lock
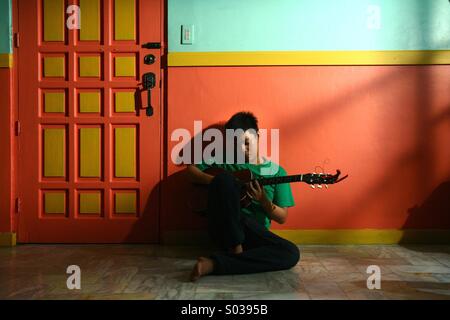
(149,59)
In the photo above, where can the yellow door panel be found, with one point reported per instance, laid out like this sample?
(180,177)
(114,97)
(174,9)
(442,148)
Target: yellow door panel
(124,102)
(90,203)
(125,202)
(54,202)
(89,102)
(54,67)
(54,20)
(124,20)
(90,17)
(90,67)
(90,152)
(54,102)
(54,152)
(125,152)
(125,67)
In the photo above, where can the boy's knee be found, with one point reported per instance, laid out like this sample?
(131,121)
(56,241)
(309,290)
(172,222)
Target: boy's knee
(292,254)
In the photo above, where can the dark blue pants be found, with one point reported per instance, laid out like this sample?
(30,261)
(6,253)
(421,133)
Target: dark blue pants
(262,250)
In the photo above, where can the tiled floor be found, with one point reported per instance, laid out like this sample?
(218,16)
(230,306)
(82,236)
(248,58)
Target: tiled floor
(157,272)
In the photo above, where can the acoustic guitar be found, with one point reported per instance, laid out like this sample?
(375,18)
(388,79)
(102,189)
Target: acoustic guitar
(199,196)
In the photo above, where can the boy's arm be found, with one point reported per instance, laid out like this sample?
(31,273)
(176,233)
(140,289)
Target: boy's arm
(279,214)
(195,175)
(274,212)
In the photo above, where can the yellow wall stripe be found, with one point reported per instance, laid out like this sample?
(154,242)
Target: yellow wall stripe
(328,237)
(180,59)
(90,17)
(90,152)
(364,236)
(54,20)
(125,152)
(8,239)
(261,58)
(342,236)
(124,19)
(6,60)
(54,152)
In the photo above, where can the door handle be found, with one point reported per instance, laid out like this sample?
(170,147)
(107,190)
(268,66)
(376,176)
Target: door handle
(148,83)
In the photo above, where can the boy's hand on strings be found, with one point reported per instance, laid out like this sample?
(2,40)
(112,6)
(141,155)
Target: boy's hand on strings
(255,191)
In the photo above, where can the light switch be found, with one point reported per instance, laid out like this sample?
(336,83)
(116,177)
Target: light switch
(187,34)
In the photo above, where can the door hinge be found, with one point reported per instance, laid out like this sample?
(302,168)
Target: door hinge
(17,127)
(18,205)
(16,40)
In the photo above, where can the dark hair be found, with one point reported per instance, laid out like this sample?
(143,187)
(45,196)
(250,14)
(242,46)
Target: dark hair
(242,120)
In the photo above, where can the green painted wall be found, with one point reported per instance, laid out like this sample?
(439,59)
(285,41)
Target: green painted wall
(270,25)
(5,26)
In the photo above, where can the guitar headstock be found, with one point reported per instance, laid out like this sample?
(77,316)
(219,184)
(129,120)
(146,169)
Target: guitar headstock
(318,179)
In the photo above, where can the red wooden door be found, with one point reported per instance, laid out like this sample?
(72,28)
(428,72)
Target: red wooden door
(89,155)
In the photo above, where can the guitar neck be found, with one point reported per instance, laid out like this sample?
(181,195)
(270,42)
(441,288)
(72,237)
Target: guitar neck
(278,180)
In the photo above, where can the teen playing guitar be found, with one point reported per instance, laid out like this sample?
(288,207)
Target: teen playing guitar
(241,203)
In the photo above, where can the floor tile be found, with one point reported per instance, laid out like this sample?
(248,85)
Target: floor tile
(162,272)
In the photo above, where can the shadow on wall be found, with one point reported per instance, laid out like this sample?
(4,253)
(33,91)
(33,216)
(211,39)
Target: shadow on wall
(146,224)
(436,207)
(176,193)
(434,212)
(173,195)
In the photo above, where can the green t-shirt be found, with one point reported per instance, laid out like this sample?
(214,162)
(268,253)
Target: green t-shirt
(279,194)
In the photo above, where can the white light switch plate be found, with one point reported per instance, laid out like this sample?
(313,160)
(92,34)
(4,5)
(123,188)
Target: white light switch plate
(187,34)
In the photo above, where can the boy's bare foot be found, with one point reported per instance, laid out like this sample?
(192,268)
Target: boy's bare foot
(237,249)
(203,267)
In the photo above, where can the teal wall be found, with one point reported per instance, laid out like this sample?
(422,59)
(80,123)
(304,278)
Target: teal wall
(5,26)
(270,25)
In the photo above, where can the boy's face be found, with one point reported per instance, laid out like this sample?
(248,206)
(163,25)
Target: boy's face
(249,146)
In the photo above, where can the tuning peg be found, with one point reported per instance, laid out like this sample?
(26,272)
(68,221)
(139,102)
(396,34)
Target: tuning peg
(312,186)
(319,186)
(326,186)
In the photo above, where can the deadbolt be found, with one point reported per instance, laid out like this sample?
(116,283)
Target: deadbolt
(149,59)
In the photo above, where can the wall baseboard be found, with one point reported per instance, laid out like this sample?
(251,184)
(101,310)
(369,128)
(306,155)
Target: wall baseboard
(328,237)
(316,236)
(7,239)
(6,60)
